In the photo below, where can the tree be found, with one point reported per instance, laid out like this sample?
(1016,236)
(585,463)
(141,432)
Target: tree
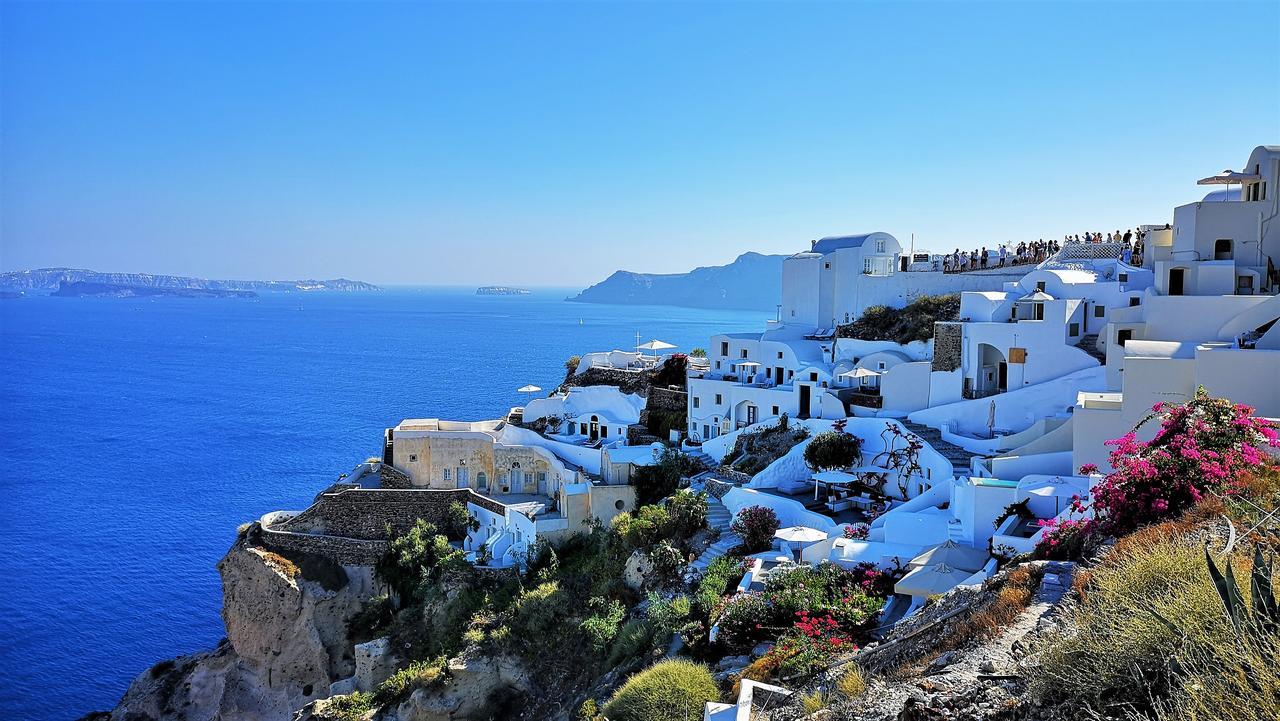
(457,521)
(756,525)
(698,352)
(833,449)
(571,365)
(419,556)
(659,480)
(688,511)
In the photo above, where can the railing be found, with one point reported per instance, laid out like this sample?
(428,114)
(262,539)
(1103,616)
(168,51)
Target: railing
(866,400)
(972,393)
(1089,251)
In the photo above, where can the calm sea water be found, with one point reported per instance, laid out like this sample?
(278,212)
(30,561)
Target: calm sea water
(135,435)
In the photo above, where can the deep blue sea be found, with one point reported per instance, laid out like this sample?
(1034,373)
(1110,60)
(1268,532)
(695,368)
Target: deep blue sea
(136,434)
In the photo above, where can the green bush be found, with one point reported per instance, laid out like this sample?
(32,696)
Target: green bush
(540,613)
(351,707)
(673,690)
(904,325)
(716,580)
(457,521)
(633,639)
(602,625)
(417,559)
(420,674)
(668,615)
(688,513)
(656,482)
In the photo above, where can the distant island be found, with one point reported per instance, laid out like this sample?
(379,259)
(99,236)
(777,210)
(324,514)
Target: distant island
(82,289)
(752,281)
(501,290)
(76,282)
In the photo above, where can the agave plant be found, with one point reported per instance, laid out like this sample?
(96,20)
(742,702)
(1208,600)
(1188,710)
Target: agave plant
(1262,616)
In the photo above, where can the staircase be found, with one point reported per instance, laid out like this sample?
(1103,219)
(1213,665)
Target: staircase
(1089,344)
(717,517)
(705,460)
(959,457)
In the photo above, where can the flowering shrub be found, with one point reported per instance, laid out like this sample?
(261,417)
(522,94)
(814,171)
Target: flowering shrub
(1203,446)
(756,525)
(856,531)
(828,589)
(810,645)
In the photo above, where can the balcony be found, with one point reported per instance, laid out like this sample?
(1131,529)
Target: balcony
(866,399)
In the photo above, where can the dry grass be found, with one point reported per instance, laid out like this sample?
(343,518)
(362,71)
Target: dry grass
(852,683)
(1119,656)
(281,564)
(814,702)
(1231,682)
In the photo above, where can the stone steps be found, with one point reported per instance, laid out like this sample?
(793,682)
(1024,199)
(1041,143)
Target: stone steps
(1089,344)
(718,517)
(959,457)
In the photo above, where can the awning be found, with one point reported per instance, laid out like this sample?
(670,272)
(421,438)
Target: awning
(1229,177)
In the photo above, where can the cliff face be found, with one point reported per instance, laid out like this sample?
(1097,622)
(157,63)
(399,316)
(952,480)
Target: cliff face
(286,642)
(752,281)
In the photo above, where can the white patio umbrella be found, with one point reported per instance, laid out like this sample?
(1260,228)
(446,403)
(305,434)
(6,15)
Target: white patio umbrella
(860,373)
(746,365)
(528,389)
(1047,498)
(930,580)
(655,345)
(800,534)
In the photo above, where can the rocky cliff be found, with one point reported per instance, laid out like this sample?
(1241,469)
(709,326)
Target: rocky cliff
(287,640)
(752,281)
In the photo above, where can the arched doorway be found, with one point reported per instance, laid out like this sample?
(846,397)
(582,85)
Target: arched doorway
(482,481)
(595,428)
(993,371)
(1222,249)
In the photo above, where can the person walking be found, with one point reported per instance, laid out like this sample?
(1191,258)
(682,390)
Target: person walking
(1004,252)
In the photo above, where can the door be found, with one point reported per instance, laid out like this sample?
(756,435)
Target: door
(517,480)
(751,415)
(804,400)
(595,428)
(777,375)
(464,477)
(1004,377)
(542,484)
(1176,278)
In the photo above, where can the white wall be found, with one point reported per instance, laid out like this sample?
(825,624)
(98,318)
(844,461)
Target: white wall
(1017,409)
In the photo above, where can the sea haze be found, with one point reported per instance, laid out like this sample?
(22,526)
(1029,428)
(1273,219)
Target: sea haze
(137,433)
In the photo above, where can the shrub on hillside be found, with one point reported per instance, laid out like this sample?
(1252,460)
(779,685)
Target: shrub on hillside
(418,557)
(688,512)
(457,521)
(1204,447)
(756,525)
(827,590)
(722,573)
(904,325)
(672,690)
(655,482)
(832,450)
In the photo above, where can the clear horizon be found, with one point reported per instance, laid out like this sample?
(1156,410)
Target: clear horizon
(548,145)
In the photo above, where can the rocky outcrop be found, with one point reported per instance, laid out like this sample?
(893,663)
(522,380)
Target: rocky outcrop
(480,687)
(286,621)
(751,281)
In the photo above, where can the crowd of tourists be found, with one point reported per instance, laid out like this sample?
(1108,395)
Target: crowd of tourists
(1038,251)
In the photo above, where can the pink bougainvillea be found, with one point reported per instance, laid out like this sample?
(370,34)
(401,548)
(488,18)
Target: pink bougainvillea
(1203,447)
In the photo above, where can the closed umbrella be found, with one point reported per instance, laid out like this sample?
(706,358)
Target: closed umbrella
(930,580)
(953,555)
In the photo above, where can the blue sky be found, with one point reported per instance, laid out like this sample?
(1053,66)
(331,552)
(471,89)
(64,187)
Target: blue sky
(550,144)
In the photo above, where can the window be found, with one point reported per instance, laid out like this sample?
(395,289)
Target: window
(813,377)
(413,457)
(793,312)
(573,428)
(1222,249)
(1124,277)
(719,399)
(604,431)
(881,365)
(446,473)
(1073,329)
(1040,285)
(866,265)
(791,374)
(827,266)
(618,504)
(879,246)
(1135,300)
(1123,336)
(1099,311)
(744,353)
(724,347)
(779,355)
(697,402)
(775,411)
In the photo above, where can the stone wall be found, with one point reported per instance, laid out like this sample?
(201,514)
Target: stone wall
(729,474)
(668,400)
(636,382)
(345,551)
(946,346)
(365,513)
(392,477)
